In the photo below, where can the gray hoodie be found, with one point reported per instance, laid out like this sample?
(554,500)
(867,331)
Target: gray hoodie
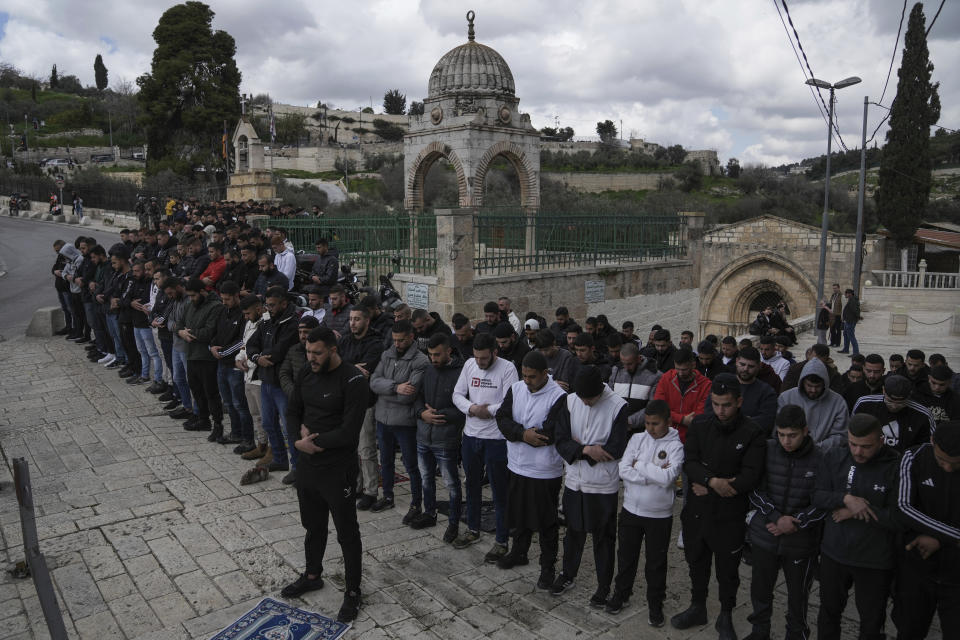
(72,265)
(827,415)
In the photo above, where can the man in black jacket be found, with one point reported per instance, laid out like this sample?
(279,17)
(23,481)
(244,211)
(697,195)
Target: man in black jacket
(914,368)
(439,429)
(858,485)
(661,350)
(905,423)
(267,348)
(362,348)
(850,317)
(325,269)
(724,456)
(559,328)
(323,418)
(928,507)
(426,324)
(225,345)
(872,383)
(784,531)
(935,394)
(510,346)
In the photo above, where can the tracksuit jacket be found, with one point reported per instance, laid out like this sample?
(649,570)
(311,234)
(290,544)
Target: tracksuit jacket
(786,489)
(229,336)
(853,542)
(910,426)
(636,388)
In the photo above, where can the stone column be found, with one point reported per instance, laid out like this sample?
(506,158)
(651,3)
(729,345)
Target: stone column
(454,259)
(692,236)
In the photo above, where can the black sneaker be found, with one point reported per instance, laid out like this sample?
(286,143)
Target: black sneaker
(545,582)
(125,371)
(301,585)
(156,388)
(350,607)
(166,396)
(423,521)
(290,478)
(561,584)
(513,559)
(453,530)
(229,438)
(82,340)
(382,504)
(170,406)
(243,447)
(694,616)
(617,602)
(180,414)
(599,599)
(365,502)
(216,432)
(411,515)
(198,424)
(278,466)
(137,380)
(655,617)
(115,365)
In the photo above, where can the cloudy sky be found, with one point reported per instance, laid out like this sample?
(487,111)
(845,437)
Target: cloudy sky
(717,74)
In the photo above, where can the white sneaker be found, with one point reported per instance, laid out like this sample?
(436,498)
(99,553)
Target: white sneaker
(680,540)
(107,359)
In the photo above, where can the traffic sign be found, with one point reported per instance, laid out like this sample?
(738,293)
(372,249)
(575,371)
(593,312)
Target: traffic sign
(60,183)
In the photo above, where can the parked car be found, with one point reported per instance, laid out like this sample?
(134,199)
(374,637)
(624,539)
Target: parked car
(58,162)
(138,155)
(106,157)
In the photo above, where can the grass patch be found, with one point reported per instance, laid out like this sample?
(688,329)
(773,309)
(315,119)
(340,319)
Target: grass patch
(367,187)
(308,175)
(123,169)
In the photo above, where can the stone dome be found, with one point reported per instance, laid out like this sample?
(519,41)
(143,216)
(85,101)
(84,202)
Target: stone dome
(471,68)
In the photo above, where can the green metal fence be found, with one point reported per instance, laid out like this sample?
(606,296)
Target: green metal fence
(405,242)
(514,241)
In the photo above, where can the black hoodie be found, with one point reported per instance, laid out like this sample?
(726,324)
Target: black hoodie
(437,391)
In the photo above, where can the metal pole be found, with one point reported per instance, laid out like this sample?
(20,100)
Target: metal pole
(110,122)
(825,223)
(858,258)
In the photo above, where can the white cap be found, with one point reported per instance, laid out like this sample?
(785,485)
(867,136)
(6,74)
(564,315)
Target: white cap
(531,324)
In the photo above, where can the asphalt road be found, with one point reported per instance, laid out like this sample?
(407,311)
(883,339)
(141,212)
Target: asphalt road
(26,254)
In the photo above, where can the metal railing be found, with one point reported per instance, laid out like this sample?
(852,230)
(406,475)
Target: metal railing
(518,241)
(404,242)
(916,279)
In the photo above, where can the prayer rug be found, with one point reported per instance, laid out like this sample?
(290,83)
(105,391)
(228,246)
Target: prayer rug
(274,620)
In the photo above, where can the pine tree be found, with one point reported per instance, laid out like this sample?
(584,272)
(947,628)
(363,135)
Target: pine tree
(100,73)
(394,102)
(54,78)
(905,167)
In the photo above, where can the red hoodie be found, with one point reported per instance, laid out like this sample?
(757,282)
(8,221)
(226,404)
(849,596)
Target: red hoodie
(683,404)
(214,271)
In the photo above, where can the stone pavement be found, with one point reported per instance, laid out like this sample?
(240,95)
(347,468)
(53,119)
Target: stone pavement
(149,534)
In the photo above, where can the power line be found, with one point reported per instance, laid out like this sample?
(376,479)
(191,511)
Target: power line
(877,104)
(796,35)
(893,56)
(935,16)
(813,90)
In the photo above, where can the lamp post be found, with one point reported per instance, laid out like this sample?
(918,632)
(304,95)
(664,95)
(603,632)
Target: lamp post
(825,223)
(858,259)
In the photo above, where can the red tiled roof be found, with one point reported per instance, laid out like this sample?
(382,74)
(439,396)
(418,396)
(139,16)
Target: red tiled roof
(942,238)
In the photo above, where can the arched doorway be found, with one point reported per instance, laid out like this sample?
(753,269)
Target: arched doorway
(421,166)
(529,183)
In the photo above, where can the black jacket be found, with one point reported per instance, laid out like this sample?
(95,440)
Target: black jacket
(869,545)
(715,367)
(517,353)
(437,391)
(851,310)
(273,337)
(229,335)
(264,282)
(295,360)
(759,404)
(138,290)
(786,489)
(339,321)
(929,503)
(438,326)
(857,390)
(910,426)
(364,351)
(327,267)
(712,449)
(663,359)
(943,408)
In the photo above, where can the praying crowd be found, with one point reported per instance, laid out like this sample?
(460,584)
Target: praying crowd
(848,474)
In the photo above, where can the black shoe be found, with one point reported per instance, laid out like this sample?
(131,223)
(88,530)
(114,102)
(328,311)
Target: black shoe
(290,478)
(724,626)
(136,380)
(694,616)
(617,602)
(170,406)
(243,447)
(757,635)
(198,424)
(114,365)
(513,559)
(93,356)
(279,466)
(125,371)
(424,521)
(301,585)
(365,502)
(229,438)
(166,396)
(82,340)
(91,347)
(561,584)
(599,599)
(63,332)
(655,617)
(411,515)
(382,504)
(453,530)
(545,581)
(156,388)
(180,414)
(350,607)
(216,433)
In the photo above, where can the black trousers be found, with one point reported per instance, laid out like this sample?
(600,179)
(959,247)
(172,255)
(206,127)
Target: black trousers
(871,588)
(130,346)
(632,530)
(80,326)
(836,332)
(918,598)
(798,574)
(202,378)
(549,544)
(721,543)
(604,550)
(323,493)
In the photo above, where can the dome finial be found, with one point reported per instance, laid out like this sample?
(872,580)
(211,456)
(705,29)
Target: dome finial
(470,34)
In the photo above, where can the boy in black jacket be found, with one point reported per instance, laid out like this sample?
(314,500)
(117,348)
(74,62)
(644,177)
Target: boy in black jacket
(785,529)
(857,483)
(928,506)
(724,455)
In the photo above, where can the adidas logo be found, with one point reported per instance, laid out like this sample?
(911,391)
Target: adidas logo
(739,446)
(928,482)
(808,474)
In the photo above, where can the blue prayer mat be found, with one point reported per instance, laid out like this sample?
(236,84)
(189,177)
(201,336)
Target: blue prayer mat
(273,620)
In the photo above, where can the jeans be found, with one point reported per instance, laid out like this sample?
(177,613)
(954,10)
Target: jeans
(180,379)
(492,454)
(99,331)
(429,458)
(113,328)
(406,436)
(149,354)
(63,297)
(850,337)
(273,413)
(230,382)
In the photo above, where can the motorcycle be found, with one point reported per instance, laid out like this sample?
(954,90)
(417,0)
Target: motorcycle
(19,202)
(390,298)
(350,282)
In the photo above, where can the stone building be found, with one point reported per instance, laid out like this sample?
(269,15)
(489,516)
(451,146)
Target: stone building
(250,179)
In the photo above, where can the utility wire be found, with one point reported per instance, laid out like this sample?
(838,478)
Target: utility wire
(893,56)
(935,16)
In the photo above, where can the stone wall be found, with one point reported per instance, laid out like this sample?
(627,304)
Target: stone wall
(598,182)
(316,159)
(883,299)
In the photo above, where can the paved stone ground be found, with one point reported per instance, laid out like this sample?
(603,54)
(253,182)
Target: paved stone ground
(149,535)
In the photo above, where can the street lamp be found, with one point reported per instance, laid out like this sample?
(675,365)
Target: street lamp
(825,223)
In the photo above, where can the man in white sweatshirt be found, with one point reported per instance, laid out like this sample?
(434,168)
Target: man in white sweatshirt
(534,467)
(590,428)
(649,470)
(482,385)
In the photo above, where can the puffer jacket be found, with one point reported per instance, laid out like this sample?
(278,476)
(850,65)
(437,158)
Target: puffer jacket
(393,370)
(295,361)
(827,414)
(437,391)
(786,489)
(636,388)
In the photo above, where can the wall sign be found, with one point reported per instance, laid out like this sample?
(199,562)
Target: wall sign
(418,296)
(594,291)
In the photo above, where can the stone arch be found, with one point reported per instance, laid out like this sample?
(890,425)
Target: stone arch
(529,180)
(243,154)
(725,307)
(421,167)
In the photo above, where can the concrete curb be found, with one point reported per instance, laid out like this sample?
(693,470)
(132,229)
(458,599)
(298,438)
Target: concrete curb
(46,321)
